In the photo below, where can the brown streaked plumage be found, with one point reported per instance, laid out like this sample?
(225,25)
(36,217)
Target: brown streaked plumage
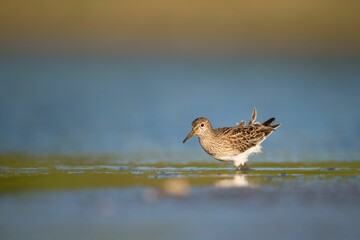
(234,144)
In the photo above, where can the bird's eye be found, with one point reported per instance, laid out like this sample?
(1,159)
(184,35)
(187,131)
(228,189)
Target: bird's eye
(202,125)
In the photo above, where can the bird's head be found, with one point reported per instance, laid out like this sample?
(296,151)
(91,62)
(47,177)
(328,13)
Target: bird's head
(200,126)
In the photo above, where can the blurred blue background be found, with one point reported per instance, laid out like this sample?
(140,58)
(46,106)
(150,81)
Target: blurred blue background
(102,105)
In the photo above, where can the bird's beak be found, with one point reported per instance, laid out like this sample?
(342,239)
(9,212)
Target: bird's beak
(192,133)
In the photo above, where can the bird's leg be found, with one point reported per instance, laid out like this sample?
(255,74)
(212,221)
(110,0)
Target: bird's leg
(244,167)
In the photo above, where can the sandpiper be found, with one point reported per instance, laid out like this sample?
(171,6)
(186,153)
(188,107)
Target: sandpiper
(234,144)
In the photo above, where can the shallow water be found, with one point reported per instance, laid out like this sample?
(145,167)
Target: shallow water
(57,200)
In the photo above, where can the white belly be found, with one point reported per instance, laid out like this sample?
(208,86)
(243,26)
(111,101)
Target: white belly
(241,158)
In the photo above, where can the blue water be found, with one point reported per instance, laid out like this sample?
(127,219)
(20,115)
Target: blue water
(311,209)
(101,104)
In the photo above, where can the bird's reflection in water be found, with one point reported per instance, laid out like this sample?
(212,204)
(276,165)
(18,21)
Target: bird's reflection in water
(238,181)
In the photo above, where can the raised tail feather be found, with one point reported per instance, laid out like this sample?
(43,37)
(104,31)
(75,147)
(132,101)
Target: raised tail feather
(242,123)
(268,123)
(253,116)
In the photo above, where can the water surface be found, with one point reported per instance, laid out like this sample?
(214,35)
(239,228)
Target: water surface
(76,199)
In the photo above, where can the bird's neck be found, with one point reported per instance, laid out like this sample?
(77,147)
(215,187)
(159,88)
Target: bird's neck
(207,141)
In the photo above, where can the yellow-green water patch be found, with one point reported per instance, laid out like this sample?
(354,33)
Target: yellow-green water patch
(20,172)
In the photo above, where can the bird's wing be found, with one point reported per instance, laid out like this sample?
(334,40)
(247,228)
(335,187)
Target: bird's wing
(242,138)
(233,139)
